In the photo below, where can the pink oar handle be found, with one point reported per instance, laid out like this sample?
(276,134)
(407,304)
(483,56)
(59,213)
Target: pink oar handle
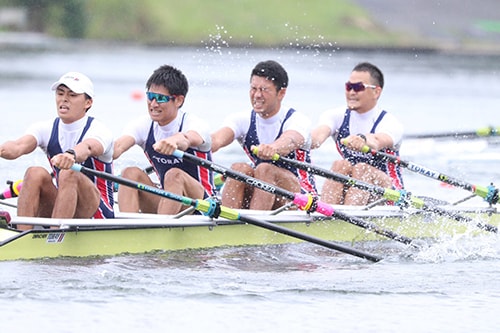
(305,201)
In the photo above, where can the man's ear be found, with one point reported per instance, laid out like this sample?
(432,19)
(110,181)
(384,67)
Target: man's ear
(179,100)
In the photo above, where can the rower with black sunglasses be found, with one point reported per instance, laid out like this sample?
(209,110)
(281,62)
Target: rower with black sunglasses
(361,124)
(165,129)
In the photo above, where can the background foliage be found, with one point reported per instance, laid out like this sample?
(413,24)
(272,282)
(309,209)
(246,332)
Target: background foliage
(238,22)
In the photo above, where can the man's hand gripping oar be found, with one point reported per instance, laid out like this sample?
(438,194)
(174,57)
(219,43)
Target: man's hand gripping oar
(489,193)
(305,202)
(400,197)
(213,209)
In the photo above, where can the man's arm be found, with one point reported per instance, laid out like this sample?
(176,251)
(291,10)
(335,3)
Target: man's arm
(180,140)
(222,138)
(319,135)
(375,141)
(288,141)
(11,150)
(379,141)
(121,145)
(79,153)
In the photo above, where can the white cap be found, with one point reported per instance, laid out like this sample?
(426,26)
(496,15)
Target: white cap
(77,82)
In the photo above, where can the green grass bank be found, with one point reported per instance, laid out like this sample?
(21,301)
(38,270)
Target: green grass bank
(236,22)
(253,23)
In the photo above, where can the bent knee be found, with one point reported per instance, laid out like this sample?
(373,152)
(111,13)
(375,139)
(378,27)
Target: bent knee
(37,174)
(175,174)
(132,173)
(342,166)
(71,178)
(243,168)
(266,169)
(360,170)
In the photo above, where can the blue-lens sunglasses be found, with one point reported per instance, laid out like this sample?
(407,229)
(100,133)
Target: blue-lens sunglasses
(159,97)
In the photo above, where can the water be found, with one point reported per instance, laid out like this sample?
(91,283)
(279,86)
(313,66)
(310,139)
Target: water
(452,286)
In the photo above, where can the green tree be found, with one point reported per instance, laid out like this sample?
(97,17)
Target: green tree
(65,18)
(74,18)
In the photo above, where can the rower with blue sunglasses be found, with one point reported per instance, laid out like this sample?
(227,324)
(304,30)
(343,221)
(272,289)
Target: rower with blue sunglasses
(362,123)
(165,129)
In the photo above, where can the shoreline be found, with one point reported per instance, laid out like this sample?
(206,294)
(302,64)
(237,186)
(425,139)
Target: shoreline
(28,41)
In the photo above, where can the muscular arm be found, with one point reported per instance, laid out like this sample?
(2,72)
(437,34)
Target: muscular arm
(319,135)
(11,150)
(378,141)
(181,141)
(286,143)
(83,150)
(222,138)
(121,145)
(375,141)
(88,147)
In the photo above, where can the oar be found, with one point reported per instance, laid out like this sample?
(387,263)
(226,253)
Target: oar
(13,190)
(389,194)
(2,202)
(205,206)
(479,133)
(15,187)
(489,194)
(303,201)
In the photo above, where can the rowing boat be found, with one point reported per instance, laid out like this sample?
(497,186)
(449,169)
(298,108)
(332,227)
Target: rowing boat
(142,233)
(223,226)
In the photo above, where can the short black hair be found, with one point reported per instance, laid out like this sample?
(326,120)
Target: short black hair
(374,71)
(170,78)
(272,71)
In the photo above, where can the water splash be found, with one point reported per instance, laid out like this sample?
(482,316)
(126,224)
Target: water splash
(462,247)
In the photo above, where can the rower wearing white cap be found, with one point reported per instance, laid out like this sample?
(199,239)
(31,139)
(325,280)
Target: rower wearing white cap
(72,137)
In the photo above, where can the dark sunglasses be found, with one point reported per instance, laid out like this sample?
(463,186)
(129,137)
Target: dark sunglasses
(159,97)
(358,86)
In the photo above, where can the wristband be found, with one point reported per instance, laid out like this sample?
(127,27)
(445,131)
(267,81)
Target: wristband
(72,152)
(362,136)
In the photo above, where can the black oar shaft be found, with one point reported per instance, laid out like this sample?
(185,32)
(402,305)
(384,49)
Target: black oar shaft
(307,238)
(203,206)
(490,195)
(461,218)
(322,207)
(481,132)
(386,193)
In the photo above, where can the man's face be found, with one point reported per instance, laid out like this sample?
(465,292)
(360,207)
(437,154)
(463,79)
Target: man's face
(264,97)
(165,112)
(70,105)
(365,100)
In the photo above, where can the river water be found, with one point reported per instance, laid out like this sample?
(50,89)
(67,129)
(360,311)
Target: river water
(452,286)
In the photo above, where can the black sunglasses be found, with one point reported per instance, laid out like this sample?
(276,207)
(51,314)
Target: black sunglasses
(358,86)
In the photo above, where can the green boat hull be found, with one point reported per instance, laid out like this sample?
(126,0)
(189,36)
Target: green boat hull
(82,238)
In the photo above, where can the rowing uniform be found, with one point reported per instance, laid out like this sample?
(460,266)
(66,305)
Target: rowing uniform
(55,137)
(343,123)
(253,130)
(147,132)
